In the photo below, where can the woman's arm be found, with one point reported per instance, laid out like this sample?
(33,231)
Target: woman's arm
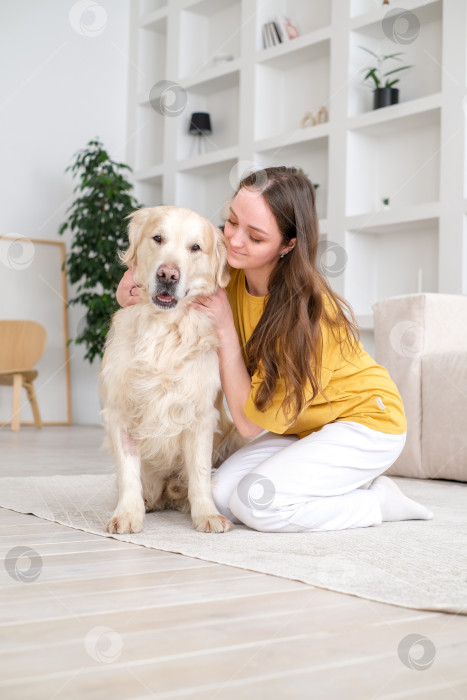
(236,382)
(127,285)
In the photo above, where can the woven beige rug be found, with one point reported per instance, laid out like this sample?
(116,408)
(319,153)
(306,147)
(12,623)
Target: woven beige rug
(413,564)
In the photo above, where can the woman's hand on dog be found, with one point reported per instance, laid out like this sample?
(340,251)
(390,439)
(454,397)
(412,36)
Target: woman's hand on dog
(127,291)
(217,306)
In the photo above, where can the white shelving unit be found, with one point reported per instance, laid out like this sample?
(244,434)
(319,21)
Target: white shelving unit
(413,153)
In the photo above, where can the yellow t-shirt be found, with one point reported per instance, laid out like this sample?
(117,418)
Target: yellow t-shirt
(357,389)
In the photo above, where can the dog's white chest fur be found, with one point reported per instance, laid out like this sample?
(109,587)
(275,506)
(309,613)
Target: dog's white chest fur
(155,385)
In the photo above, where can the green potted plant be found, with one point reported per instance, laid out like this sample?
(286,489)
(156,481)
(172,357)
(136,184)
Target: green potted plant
(97,222)
(381,80)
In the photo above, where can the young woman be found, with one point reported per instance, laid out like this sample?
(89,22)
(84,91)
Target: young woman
(291,365)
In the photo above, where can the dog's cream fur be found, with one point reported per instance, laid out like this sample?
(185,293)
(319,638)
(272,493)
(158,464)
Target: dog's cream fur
(160,380)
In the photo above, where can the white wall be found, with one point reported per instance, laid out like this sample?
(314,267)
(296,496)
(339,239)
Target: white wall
(63,82)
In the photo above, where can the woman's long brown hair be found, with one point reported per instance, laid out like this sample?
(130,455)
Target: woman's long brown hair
(287,342)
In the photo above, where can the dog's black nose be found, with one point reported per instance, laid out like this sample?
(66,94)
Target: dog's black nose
(168,273)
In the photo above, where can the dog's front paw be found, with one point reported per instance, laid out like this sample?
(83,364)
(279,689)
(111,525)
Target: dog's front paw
(122,523)
(212,523)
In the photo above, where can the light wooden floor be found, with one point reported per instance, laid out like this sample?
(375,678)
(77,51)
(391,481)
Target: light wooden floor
(105,619)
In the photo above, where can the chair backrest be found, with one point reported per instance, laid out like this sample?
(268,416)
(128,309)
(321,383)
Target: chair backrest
(22,344)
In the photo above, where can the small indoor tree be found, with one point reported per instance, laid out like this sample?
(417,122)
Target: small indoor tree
(97,223)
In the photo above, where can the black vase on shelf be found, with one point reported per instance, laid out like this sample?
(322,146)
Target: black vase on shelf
(385,96)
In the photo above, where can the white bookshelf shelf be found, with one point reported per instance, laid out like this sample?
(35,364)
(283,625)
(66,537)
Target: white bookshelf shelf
(412,153)
(365,322)
(209,162)
(298,136)
(213,78)
(420,112)
(293,52)
(155,21)
(426,11)
(415,218)
(207,7)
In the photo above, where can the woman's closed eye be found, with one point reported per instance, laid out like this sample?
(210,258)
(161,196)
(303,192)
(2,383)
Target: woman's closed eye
(254,240)
(235,223)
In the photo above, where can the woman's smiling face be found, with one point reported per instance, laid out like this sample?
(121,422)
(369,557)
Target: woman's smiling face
(254,241)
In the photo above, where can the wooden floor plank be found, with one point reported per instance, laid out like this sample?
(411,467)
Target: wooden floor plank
(110,619)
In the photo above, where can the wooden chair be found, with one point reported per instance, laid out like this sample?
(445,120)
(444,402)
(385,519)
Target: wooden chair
(22,344)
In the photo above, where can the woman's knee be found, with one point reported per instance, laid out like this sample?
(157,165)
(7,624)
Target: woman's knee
(253,502)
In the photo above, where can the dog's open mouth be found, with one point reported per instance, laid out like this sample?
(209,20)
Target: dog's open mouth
(165,300)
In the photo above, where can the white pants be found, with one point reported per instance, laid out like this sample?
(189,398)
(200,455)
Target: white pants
(278,483)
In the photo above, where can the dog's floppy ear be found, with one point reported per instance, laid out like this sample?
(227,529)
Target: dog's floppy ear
(135,230)
(222,269)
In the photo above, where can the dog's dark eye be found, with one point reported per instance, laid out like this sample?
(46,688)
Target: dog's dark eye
(195,247)
(157,238)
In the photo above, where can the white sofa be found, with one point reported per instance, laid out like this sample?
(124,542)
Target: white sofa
(422,340)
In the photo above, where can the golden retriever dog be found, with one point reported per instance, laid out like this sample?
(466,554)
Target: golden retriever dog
(160,380)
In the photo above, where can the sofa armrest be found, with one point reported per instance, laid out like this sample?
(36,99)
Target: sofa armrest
(444,415)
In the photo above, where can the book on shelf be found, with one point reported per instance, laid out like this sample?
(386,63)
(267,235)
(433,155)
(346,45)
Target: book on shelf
(278,31)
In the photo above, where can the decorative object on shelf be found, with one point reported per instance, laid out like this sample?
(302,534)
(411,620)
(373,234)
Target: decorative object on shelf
(279,31)
(322,115)
(97,222)
(200,126)
(220,58)
(287,28)
(310,119)
(386,203)
(384,92)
